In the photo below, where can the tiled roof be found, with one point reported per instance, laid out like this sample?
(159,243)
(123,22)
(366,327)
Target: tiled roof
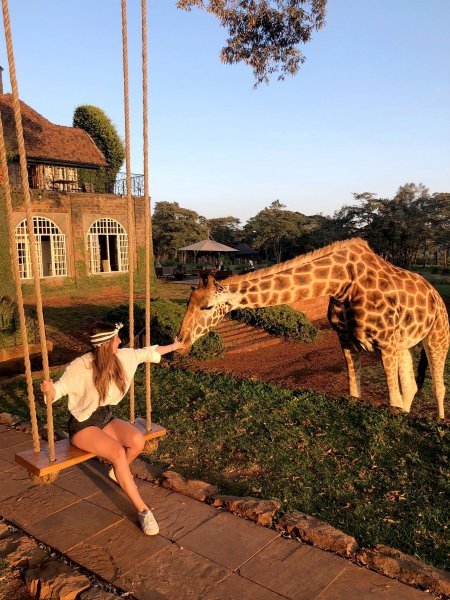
(46,142)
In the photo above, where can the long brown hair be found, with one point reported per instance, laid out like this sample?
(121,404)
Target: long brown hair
(106,366)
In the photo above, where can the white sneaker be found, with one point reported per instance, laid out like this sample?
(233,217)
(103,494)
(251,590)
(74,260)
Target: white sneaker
(112,475)
(148,523)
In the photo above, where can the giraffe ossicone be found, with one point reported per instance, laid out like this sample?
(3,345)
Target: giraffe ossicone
(374,306)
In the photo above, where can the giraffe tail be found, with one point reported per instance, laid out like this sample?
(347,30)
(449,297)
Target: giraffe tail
(421,368)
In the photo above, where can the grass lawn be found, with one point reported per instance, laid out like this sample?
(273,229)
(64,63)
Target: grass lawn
(379,477)
(77,316)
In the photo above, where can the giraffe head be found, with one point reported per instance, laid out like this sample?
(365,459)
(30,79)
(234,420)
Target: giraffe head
(208,304)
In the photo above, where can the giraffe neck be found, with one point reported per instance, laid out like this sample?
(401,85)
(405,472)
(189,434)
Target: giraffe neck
(320,277)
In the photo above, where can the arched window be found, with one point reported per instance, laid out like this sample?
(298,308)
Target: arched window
(107,246)
(51,248)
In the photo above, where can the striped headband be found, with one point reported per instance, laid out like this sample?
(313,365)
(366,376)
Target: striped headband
(98,339)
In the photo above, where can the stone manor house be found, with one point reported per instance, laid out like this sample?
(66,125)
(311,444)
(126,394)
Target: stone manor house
(81,234)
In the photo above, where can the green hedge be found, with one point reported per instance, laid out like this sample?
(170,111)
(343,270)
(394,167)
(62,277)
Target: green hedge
(165,321)
(279,320)
(10,334)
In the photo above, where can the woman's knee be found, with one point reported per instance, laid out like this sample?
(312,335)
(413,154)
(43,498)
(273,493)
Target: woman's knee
(137,442)
(116,453)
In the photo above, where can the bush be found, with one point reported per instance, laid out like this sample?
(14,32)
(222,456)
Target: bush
(279,320)
(10,334)
(165,321)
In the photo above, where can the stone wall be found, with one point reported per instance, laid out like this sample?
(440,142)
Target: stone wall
(74,213)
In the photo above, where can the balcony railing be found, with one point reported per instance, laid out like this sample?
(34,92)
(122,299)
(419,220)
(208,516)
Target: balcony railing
(120,185)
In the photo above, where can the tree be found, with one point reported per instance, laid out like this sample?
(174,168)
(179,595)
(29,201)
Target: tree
(264,34)
(175,227)
(273,229)
(101,129)
(225,230)
(401,227)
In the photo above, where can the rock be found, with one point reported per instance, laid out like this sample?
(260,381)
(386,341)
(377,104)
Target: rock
(407,569)
(24,426)
(19,551)
(260,511)
(97,594)
(316,532)
(7,419)
(4,531)
(145,471)
(60,434)
(56,580)
(189,487)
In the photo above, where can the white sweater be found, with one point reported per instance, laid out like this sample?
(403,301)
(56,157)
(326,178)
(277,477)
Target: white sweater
(78,382)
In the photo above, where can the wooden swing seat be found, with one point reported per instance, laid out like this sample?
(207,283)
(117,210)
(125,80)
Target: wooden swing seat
(67,455)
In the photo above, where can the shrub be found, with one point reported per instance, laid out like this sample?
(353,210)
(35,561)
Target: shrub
(165,321)
(10,334)
(279,320)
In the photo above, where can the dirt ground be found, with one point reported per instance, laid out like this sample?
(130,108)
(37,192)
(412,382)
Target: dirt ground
(319,366)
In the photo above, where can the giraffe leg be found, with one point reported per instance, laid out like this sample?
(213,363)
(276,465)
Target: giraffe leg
(390,364)
(353,359)
(407,378)
(436,361)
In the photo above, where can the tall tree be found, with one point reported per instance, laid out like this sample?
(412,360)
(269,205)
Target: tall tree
(273,229)
(104,133)
(397,228)
(265,34)
(225,230)
(175,227)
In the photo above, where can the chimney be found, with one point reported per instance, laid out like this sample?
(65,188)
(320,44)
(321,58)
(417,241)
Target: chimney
(1,80)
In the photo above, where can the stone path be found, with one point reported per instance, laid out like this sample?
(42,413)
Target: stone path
(201,552)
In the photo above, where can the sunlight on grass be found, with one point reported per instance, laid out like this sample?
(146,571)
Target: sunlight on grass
(379,477)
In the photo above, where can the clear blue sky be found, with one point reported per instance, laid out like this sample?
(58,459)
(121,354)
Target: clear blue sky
(368,111)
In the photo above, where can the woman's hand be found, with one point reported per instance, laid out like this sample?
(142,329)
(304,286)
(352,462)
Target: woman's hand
(177,344)
(48,389)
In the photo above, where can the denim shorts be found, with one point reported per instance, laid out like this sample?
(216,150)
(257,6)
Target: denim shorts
(99,418)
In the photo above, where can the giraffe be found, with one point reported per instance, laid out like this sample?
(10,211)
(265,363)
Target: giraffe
(374,306)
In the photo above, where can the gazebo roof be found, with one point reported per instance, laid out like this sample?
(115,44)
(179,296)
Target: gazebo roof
(245,250)
(208,246)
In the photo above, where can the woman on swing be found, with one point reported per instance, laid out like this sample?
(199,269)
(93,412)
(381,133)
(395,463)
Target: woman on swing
(94,382)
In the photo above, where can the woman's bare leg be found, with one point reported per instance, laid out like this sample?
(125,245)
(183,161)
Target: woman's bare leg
(100,443)
(126,434)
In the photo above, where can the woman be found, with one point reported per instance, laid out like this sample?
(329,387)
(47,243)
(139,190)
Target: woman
(94,382)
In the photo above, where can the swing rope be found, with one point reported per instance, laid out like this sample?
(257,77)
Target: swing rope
(18,288)
(131,223)
(74,456)
(30,225)
(148,232)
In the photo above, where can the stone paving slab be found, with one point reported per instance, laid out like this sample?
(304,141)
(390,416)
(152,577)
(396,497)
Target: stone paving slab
(13,438)
(114,499)
(5,465)
(35,504)
(228,540)
(177,515)
(9,454)
(294,570)
(13,483)
(72,525)
(86,479)
(117,550)
(173,574)
(238,588)
(357,583)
